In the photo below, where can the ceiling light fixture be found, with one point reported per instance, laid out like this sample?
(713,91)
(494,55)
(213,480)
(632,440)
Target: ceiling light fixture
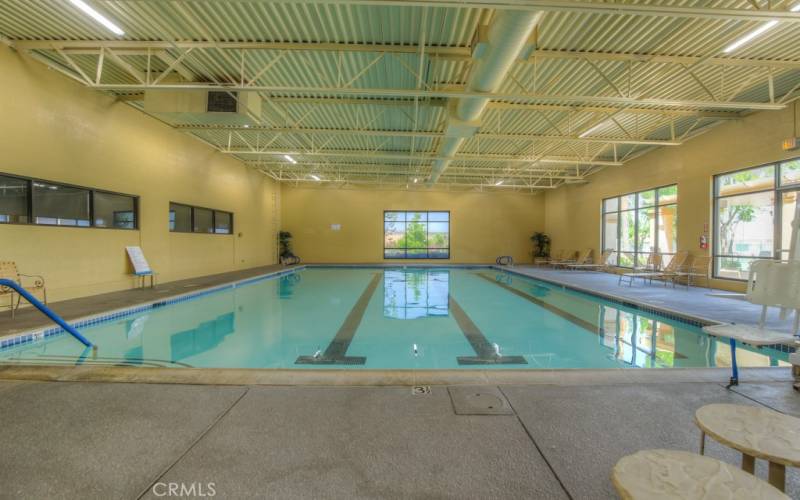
(756,32)
(499,183)
(100,18)
(315,177)
(416,180)
(753,34)
(593,129)
(290,159)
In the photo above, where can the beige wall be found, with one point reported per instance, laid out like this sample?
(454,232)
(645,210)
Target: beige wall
(573,212)
(53,128)
(483,226)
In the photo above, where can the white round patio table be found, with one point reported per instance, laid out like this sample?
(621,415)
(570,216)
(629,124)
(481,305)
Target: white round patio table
(756,432)
(673,474)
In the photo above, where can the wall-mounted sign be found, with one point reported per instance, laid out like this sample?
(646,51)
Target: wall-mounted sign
(336,227)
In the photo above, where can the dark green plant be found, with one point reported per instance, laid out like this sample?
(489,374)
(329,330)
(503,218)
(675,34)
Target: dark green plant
(285,242)
(541,244)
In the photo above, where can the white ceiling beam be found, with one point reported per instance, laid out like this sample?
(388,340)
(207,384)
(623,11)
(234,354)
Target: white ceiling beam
(525,97)
(410,170)
(420,156)
(124,47)
(659,58)
(412,133)
(140,47)
(577,6)
(501,106)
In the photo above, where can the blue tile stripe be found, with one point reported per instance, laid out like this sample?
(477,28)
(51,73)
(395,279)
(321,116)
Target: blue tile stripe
(7,343)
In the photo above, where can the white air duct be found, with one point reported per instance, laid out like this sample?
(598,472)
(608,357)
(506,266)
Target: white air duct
(506,38)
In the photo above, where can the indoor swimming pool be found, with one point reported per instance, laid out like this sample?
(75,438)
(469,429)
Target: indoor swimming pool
(393,318)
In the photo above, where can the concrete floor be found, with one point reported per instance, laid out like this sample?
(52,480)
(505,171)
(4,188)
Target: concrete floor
(695,302)
(96,440)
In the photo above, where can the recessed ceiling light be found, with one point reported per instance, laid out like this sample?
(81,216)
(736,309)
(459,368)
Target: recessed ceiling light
(415,180)
(315,177)
(290,159)
(100,18)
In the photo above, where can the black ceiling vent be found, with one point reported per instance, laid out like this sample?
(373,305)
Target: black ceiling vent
(222,102)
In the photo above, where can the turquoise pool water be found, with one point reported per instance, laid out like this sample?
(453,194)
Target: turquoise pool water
(395,318)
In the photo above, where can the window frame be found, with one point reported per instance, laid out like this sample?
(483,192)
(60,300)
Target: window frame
(427,249)
(777,220)
(636,208)
(192,208)
(30,205)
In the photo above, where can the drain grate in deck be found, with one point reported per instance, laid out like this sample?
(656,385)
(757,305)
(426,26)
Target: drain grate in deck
(479,400)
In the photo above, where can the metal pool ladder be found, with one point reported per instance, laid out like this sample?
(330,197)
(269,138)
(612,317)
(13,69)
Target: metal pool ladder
(46,311)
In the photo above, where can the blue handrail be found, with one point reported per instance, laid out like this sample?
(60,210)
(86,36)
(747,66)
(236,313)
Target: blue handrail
(45,310)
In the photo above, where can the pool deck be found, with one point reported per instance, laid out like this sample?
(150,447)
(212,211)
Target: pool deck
(696,302)
(28,318)
(129,441)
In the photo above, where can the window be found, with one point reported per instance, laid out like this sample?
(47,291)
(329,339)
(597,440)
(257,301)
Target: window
(639,224)
(180,218)
(189,219)
(222,222)
(58,205)
(416,235)
(13,200)
(32,201)
(753,212)
(203,220)
(114,210)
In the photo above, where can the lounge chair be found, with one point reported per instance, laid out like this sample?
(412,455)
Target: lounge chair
(567,257)
(654,262)
(584,257)
(603,264)
(699,268)
(555,256)
(8,270)
(674,266)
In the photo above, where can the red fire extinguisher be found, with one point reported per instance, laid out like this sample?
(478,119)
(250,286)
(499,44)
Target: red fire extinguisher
(704,237)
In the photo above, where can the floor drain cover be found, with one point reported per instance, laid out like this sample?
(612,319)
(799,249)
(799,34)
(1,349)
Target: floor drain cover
(479,400)
(421,390)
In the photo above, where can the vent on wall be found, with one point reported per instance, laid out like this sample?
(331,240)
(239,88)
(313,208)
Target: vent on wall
(222,102)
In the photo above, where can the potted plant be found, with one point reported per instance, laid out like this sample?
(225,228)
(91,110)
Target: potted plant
(285,243)
(541,246)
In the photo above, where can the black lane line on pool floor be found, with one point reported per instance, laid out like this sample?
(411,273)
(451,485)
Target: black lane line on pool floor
(336,353)
(484,350)
(586,325)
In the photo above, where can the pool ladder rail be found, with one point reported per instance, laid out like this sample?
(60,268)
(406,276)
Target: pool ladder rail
(46,311)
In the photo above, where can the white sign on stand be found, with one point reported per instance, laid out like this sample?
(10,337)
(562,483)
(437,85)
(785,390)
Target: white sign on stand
(140,265)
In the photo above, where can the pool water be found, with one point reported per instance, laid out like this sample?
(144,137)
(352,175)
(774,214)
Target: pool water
(395,318)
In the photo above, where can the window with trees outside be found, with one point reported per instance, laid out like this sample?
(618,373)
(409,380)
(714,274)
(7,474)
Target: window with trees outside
(416,235)
(639,224)
(753,212)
